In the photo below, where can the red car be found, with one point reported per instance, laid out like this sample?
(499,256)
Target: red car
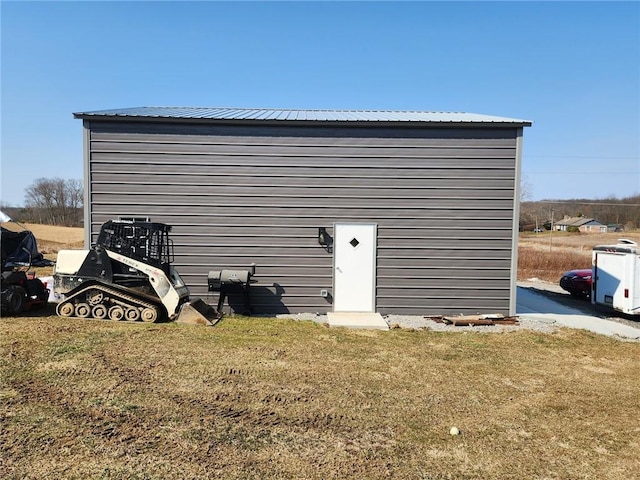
(577,282)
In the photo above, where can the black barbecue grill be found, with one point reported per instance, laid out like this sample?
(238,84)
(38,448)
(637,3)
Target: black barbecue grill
(234,286)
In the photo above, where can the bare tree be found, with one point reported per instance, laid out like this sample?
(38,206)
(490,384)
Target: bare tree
(55,201)
(526,189)
(75,190)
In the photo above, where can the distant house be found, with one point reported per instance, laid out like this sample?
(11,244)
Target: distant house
(583,224)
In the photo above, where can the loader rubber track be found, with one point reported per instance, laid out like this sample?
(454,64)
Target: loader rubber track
(96,300)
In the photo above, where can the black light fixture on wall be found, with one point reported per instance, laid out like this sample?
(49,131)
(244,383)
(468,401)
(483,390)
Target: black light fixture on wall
(325,239)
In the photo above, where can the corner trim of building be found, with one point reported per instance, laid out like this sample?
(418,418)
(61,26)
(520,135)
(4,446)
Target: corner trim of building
(513,290)
(86,145)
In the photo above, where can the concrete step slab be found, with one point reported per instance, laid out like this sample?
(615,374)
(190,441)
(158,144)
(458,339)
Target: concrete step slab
(372,321)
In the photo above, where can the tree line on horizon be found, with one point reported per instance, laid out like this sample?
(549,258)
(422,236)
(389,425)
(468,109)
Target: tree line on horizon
(621,212)
(51,201)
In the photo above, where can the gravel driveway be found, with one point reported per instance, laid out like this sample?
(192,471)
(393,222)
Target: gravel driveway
(553,308)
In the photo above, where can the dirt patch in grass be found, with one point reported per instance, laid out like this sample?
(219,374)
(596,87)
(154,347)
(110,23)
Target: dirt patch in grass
(268,398)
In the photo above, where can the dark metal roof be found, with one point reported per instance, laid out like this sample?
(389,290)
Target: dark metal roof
(277,115)
(577,221)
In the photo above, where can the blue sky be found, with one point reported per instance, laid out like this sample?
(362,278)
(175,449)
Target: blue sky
(573,68)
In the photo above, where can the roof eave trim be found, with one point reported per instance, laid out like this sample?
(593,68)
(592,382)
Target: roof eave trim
(290,122)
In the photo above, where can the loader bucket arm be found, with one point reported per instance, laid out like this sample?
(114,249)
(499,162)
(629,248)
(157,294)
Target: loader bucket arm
(172,293)
(197,312)
(171,290)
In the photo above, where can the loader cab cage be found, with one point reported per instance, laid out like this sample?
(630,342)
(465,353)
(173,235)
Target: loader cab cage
(144,241)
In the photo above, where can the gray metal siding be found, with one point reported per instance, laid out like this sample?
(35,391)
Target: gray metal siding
(443,200)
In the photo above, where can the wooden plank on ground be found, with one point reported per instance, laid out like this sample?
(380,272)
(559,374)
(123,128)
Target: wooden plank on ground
(480,320)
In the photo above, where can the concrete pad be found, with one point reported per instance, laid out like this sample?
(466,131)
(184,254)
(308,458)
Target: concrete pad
(538,307)
(372,321)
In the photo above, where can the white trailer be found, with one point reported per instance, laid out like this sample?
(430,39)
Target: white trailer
(616,276)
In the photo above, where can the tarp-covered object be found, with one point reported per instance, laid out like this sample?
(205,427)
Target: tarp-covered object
(19,248)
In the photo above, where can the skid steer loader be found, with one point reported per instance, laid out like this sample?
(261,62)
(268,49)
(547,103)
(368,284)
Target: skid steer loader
(127,276)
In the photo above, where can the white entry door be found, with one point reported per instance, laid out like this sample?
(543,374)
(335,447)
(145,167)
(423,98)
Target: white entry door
(354,267)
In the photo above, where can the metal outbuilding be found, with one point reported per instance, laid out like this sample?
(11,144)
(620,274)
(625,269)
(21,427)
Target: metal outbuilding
(404,212)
